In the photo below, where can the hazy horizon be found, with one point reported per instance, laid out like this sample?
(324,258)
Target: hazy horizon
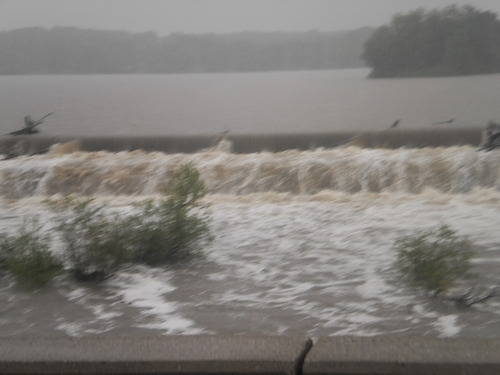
(213,16)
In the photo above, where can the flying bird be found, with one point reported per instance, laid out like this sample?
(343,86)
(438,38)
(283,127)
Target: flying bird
(395,125)
(450,121)
(30,125)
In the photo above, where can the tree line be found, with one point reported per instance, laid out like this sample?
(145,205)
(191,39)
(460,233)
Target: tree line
(68,50)
(456,40)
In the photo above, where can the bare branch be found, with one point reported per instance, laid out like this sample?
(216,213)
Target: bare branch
(470,297)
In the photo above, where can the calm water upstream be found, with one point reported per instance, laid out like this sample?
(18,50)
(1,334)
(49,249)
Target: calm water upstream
(279,102)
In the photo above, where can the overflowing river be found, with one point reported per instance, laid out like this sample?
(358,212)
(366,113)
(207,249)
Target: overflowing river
(351,170)
(303,242)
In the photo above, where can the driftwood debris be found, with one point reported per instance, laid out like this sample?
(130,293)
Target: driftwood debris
(490,137)
(30,125)
(473,296)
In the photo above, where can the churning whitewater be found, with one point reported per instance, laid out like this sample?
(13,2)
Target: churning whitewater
(303,242)
(350,170)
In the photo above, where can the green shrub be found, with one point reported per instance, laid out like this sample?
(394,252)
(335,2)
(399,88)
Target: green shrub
(434,260)
(27,256)
(172,230)
(96,244)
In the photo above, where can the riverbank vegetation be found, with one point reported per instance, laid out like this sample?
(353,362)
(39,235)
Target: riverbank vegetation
(168,231)
(27,256)
(439,262)
(442,42)
(97,242)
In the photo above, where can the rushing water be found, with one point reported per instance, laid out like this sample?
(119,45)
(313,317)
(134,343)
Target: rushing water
(303,238)
(285,102)
(350,170)
(303,242)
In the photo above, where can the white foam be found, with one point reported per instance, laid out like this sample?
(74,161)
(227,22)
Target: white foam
(351,170)
(76,294)
(101,313)
(147,293)
(327,261)
(71,328)
(447,325)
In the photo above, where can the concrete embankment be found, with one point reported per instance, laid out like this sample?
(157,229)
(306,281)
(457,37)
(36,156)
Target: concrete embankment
(403,355)
(248,355)
(437,137)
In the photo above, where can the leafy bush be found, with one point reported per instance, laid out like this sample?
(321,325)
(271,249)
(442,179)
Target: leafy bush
(434,260)
(27,256)
(170,231)
(96,244)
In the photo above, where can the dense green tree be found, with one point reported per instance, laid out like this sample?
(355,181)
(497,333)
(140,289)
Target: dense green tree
(67,50)
(449,41)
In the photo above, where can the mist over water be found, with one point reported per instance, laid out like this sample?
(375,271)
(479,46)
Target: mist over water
(250,103)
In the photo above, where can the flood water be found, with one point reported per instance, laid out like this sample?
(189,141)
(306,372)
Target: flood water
(303,240)
(274,102)
(303,243)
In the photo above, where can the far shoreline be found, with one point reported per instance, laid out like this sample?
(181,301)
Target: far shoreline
(305,70)
(428,75)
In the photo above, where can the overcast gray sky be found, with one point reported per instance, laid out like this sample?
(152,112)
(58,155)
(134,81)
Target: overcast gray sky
(199,16)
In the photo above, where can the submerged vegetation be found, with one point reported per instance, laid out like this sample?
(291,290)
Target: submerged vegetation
(438,262)
(96,243)
(27,256)
(434,260)
(442,42)
(169,231)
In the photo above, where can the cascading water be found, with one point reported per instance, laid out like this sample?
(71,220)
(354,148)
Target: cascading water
(303,241)
(350,170)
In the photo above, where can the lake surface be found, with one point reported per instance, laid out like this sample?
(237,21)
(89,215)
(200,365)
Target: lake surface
(277,102)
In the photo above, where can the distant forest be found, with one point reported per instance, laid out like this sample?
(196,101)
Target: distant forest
(443,42)
(68,50)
